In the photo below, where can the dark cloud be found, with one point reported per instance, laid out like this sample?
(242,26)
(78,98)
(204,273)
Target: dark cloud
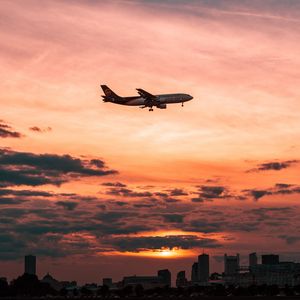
(120,203)
(114,216)
(68,205)
(24,168)
(173,218)
(25,193)
(6,131)
(171,200)
(212,191)
(290,239)
(26,177)
(177,192)
(209,193)
(11,201)
(278,189)
(283,185)
(40,130)
(124,192)
(257,194)
(205,226)
(137,244)
(197,200)
(115,184)
(274,166)
(223,225)
(162,195)
(98,163)
(144,205)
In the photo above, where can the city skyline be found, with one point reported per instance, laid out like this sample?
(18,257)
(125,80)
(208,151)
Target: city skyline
(189,276)
(98,187)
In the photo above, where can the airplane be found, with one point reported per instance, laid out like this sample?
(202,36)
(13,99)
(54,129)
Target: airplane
(145,99)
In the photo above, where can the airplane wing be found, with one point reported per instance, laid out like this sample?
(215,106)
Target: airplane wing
(146,95)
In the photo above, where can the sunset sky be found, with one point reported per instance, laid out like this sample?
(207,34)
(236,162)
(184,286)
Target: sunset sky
(101,190)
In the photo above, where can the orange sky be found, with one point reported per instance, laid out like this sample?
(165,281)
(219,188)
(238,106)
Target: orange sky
(239,60)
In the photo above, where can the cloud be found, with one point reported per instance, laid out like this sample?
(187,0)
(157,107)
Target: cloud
(25,193)
(6,131)
(290,239)
(197,200)
(68,205)
(278,189)
(173,218)
(137,244)
(40,130)
(177,192)
(209,193)
(11,201)
(257,194)
(24,168)
(124,192)
(115,184)
(274,166)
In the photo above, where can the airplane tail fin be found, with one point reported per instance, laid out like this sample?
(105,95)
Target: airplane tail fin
(109,94)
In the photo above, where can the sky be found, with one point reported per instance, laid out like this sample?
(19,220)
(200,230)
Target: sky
(113,190)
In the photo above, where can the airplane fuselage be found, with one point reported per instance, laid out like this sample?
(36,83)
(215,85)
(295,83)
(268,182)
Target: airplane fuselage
(162,99)
(145,99)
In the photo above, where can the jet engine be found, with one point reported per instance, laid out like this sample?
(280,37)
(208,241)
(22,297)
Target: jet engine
(162,106)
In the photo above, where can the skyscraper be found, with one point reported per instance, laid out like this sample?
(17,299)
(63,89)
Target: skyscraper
(181,280)
(203,267)
(194,275)
(252,259)
(30,264)
(165,275)
(231,264)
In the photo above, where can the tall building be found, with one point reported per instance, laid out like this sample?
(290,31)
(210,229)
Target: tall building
(231,264)
(165,275)
(181,280)
(30,264)
(252,259)
(203,267)
(270,259)
(194,275)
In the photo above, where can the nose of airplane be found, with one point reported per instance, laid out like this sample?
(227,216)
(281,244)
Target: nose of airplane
(189,97)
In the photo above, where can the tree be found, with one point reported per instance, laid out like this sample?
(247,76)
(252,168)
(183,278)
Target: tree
(29,285)
(139,290)
(103,291)
(4,288)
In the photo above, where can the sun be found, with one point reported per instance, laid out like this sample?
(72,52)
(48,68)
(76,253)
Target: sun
(166,253)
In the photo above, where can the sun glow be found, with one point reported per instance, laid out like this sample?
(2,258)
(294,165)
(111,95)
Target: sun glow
(164,253)
(167,253)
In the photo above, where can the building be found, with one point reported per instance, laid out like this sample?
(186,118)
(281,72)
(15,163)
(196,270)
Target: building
(194,275)
(107,281)
(281,274)
(181,280)
(30,264)
(166,276)
(252,259)
(147,282)
(270,259)
(203,267)
(231,264)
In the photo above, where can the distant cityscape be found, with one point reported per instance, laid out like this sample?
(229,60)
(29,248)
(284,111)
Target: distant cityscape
(270,272)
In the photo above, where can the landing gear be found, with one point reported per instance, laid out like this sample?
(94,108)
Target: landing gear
(150,109)
(182,104)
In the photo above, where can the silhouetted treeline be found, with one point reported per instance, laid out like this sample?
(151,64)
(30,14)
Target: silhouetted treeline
(27,286)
